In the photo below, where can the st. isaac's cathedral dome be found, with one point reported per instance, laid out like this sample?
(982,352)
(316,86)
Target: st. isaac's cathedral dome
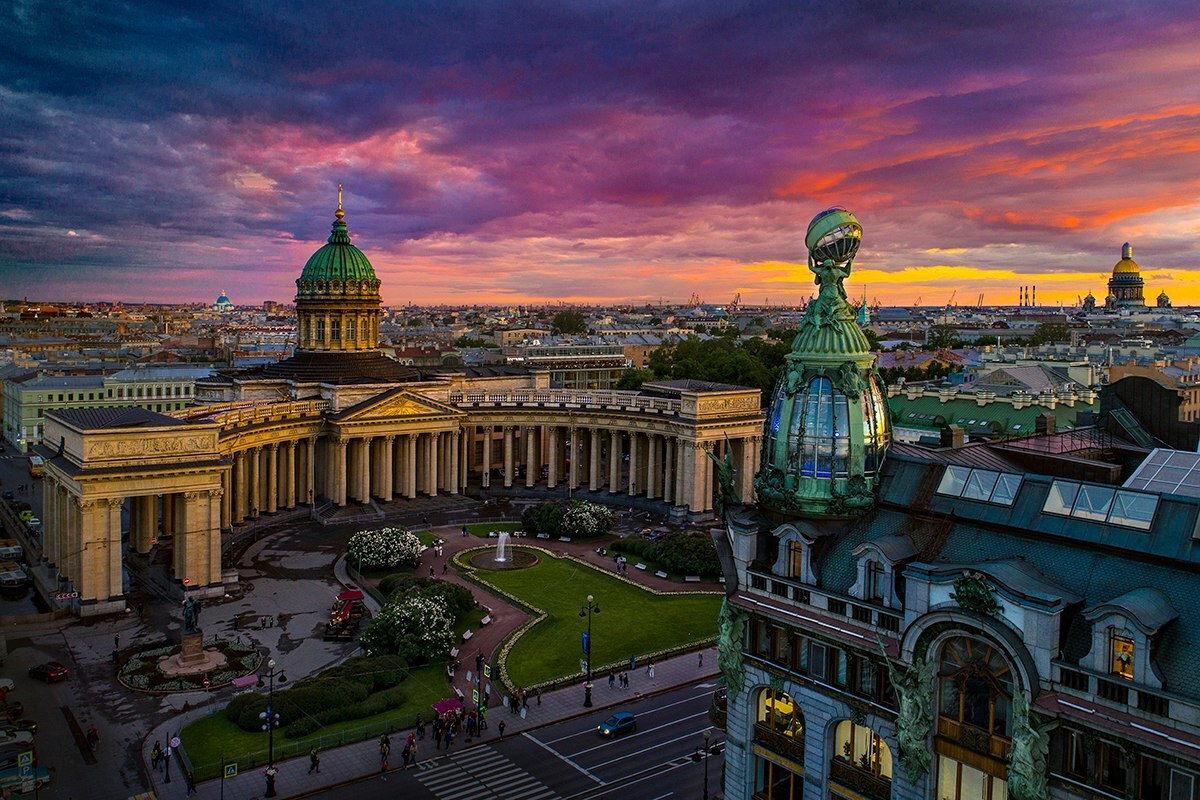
(828,426)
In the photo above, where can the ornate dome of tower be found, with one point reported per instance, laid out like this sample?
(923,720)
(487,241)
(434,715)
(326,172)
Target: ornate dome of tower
(828,426)
(337,296)
(1126,283)
(1126,265)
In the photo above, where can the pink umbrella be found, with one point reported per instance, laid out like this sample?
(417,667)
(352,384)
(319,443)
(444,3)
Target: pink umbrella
(447,705)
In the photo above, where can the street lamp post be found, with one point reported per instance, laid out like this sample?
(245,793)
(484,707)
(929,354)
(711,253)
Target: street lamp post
(270,720)
(702,753)
(592,607)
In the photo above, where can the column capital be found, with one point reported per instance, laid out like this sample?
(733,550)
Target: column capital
(391,437)
(342,441)
(509,428)
(116,502)
(273,446)
(82,504)
(216,492)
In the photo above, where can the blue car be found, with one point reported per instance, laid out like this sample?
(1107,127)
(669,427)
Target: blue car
(617,724)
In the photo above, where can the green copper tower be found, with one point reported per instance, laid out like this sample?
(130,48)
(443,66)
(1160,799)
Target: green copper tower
(828,427)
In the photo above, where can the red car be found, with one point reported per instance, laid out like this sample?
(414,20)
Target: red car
(50,672)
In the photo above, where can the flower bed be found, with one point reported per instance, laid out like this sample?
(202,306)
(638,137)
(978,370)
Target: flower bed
(140,670)
(384,548)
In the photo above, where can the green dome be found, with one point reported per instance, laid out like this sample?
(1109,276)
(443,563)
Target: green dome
(339,260)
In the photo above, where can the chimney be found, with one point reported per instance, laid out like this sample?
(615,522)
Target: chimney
(952,436)
(1045,424)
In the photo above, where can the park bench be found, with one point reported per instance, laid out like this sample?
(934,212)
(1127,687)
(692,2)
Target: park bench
(660,574)
(485,620)
(692,578)
(640,566)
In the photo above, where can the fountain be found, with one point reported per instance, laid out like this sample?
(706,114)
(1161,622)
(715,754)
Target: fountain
(502,547)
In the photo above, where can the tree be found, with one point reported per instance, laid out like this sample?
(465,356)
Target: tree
(632,379)
(569,322)
(1050,333)
(469,341)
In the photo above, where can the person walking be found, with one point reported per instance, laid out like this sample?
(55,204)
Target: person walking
(500,728)
(420,727)
(383,766)
(700,664)
(156,755)
(191,782)
(650,671)
(611,679)
(314,762)
(449,737)
(445,566)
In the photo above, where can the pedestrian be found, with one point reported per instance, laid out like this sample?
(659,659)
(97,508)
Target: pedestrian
(383,766)
(156,755)
(93,737)
(404,754)
(632,664)
(700,664)
(650,671)
(649,666)
(611,679)
(449,737)
(464,531)
(314,762)
(431,570)
(538,694)
(420,727)
(116,641)
(191,782)
(445,566)
(500,728)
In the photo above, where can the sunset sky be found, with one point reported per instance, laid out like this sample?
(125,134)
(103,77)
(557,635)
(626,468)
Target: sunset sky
(597,151)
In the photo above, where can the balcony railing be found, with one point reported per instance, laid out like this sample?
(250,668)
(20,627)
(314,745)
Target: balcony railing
(860,780)
(569,398)
(789,746)
(799,594)
(235,415)
(974,739)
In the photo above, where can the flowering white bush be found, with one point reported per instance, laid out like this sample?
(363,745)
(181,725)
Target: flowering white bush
(385,547)
(415,627)
(582,519)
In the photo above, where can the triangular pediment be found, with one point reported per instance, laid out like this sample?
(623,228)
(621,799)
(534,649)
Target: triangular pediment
(394,404)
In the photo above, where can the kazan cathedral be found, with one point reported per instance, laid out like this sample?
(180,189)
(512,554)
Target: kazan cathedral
(976,621)
(341,433)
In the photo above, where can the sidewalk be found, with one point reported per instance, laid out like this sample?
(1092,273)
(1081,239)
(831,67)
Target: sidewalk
(354,761)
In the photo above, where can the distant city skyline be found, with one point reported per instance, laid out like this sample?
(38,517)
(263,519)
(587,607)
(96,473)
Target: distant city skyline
(599,153)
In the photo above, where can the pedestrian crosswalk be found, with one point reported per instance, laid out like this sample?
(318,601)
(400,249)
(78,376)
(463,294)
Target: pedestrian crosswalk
(481,773)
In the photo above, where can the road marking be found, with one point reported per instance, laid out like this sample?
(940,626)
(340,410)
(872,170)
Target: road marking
(642,732)
(616,786)
(559,755)
(664,796)
(645,750)
(644,713)
(481,773)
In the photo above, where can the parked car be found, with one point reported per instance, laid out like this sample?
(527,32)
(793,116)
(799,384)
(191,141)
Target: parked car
(11,710)
(11,778)
(11,550)
(6,685)
(19,725)
(13,736)
(34,524)
(50,672)
(619,723)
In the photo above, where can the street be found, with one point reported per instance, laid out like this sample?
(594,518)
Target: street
(570,761)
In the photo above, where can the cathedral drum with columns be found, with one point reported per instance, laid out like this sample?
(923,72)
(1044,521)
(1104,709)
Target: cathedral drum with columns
(340,425)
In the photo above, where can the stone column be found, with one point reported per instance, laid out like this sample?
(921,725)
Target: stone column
(669,470)
(255,481)
(288,486)
(573,454)
(433,464)
(552,459)
(272,478)
(651,466)
(99,575)
(364,470)
(634,455)
(142,535)
(594,461)
(410,466)
(487,456)
(49,518)
(310,464)
(455,447)
(338,471)
(509,466)
(466,441)
(387,481)
(399,462)
(707,477)
(614,461)
(240,489)
(687,474)
(529,434)
(168,515)
(214,535)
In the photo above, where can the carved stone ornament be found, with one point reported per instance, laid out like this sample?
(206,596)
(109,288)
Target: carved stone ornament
(1027,761)
(731,627)
(913,685)
(972,593)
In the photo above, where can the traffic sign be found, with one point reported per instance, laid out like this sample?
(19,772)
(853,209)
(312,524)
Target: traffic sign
(475,696)
(487,670)
(174,741)
(231,770)
(66,595)
(25,759)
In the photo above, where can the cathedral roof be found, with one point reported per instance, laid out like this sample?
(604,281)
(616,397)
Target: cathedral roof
(339,260)
(1126,265)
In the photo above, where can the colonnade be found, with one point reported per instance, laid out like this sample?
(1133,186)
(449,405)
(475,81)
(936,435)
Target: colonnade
(84,535)
(659,466)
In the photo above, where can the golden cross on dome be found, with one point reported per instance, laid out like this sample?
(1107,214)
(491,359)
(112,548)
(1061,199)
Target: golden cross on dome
(339,197)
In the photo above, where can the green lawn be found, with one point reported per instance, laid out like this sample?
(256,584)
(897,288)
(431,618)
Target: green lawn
(631,620)
(211,738)
(482,529)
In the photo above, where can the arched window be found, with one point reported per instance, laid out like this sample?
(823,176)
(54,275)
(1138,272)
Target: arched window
(976,686)
(975,711)
(366,330)
(821,434)
(777,712)
(863,749)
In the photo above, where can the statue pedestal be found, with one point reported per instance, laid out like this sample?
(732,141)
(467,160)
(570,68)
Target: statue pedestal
(193,649)
(192,658)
